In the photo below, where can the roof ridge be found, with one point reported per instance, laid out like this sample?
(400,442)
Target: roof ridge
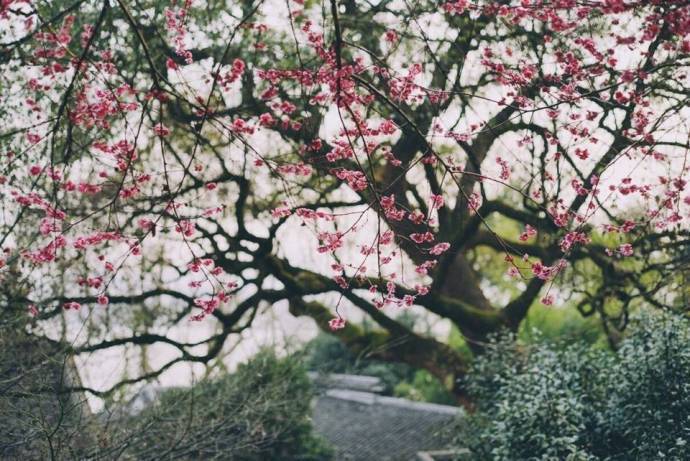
(369,398)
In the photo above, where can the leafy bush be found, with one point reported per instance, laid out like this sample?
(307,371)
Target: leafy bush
(564,324)
(648,411)
(545,401)
(260,412)
(327,354)
(424,387)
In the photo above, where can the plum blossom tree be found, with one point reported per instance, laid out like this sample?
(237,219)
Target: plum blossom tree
(162,162)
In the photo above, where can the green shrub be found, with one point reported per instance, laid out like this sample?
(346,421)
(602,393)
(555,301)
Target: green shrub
(561,324)
(424,387)
(647,414)
(327,354)
(260,412)
(576,402)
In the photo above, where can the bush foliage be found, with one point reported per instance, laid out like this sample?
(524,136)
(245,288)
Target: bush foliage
(548,401)
(260,412)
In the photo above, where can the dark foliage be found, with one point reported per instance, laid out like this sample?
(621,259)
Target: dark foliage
(260,412)
(575,402)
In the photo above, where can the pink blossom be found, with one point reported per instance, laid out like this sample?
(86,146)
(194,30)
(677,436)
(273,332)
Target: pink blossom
(331,241)
(33,138)
(436,201)
(391,36)
(49,226)
(416,217)
(281,212)
(421,290)
(423,269)
(408,300)
(185,227)
(72,305)
(505,169)
(161,130)
(336,323)
(422,237)
(626,249)
(439,248)
(355,179)
(266,119)
(547,300)
(145,224)
(529,232)
(474,201)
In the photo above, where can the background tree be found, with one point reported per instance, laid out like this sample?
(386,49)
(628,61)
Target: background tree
(349,158)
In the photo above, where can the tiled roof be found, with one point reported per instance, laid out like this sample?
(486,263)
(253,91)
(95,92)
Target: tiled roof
(343,381)
(366,426)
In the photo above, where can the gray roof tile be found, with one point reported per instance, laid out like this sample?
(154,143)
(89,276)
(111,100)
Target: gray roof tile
(365,426)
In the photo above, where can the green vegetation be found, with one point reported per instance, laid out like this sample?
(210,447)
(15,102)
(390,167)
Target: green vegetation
(260,412)
(326,354)
(581,402)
